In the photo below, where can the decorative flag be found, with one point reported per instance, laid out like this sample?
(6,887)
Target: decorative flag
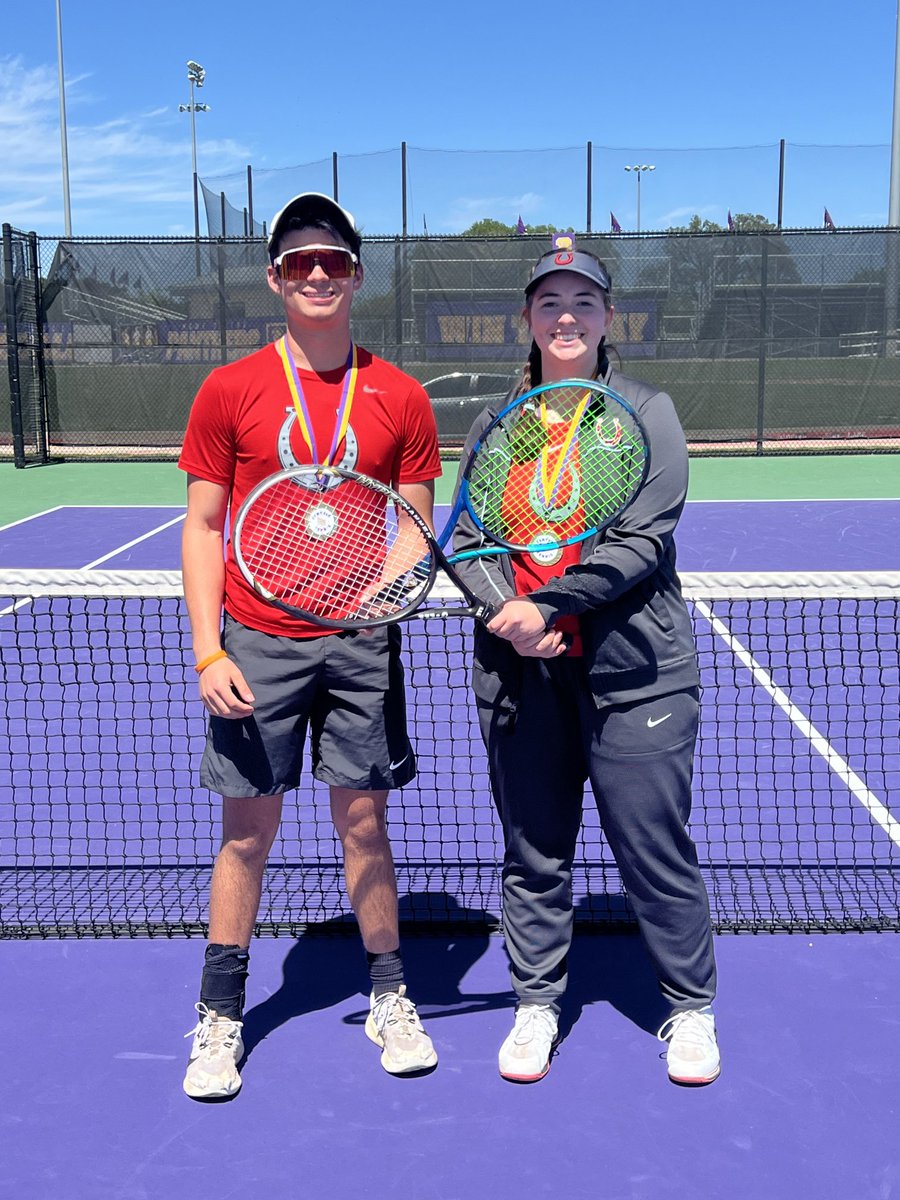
(520,225)
(614,224)
(730,222)
(829,224)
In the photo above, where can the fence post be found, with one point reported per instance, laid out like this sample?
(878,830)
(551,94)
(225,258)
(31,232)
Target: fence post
(891,290)
(403,184)
(250,196)
(41,422)
(590,157)
(399,279)
(781,183)
(763,335)
(223,304)
(12,350)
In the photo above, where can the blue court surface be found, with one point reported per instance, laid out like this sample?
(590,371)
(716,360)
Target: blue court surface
(806,1107)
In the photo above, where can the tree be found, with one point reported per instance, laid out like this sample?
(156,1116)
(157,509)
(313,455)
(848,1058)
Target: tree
(752,223)
(696,224)
(488,227)
(743,223)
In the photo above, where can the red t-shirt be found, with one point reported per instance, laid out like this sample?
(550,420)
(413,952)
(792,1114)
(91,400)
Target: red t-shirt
(243,428)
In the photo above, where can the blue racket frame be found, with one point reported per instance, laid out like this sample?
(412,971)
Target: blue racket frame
(462,502)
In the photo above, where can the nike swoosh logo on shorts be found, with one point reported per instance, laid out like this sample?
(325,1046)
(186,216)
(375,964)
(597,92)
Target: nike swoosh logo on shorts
(658,721)
(399,762)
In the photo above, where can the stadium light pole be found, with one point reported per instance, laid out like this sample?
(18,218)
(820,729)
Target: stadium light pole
(639,169)
(892,266)
(196,75)
(64,144)
(894,194)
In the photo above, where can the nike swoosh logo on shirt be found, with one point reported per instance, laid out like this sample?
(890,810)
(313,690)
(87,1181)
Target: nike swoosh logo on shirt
(399,762)
(659,720)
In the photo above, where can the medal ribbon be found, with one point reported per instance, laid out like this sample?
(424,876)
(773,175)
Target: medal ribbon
(342,416)
(550,480)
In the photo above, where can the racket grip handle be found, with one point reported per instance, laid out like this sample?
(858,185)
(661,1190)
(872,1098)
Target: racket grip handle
(488,612)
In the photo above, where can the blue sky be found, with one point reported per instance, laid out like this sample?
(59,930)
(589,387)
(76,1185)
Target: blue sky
(496,101)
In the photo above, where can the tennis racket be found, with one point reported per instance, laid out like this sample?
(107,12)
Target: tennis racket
(556,466)
(337,548)
(341,550)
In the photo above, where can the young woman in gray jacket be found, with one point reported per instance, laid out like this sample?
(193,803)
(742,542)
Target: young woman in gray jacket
(588,672)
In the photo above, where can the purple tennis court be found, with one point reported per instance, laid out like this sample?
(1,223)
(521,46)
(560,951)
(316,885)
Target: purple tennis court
(104,832)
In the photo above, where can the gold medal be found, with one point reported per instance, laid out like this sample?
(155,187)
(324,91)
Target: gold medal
(549,557)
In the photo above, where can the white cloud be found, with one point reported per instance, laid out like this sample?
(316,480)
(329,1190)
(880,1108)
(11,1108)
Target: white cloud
(127,174)
(465,210)
(678,216)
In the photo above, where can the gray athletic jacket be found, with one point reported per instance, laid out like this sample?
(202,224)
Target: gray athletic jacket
(635,625)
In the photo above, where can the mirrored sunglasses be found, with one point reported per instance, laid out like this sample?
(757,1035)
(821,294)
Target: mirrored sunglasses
(296,265)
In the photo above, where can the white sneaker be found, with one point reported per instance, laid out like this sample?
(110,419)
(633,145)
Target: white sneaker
(525,1055)
(394,1024)
(693,1055)
(216,1050)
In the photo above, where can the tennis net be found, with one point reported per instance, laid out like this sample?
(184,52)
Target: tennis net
(104,829)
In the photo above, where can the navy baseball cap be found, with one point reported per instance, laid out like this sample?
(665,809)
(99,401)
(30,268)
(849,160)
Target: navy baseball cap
(564,257)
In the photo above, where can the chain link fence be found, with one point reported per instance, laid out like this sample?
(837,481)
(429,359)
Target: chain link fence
(769,342)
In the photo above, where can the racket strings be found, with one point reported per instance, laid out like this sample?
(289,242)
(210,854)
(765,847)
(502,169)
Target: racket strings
(551,472)
(327,551)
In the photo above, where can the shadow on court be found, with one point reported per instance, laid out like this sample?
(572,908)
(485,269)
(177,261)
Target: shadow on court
(611,967)
(326,966)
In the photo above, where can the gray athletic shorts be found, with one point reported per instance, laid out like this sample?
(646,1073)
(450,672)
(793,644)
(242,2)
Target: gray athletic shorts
(347,690)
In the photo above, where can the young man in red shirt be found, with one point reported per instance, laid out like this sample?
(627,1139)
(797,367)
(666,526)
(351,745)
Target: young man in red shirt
(267,678)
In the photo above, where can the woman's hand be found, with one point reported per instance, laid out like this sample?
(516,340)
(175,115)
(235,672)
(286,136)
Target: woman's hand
(519,621)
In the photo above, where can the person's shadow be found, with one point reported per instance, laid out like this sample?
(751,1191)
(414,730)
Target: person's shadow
(608,964)
(326,965)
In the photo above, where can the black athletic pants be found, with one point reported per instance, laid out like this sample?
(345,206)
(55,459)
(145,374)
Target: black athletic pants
(545,740)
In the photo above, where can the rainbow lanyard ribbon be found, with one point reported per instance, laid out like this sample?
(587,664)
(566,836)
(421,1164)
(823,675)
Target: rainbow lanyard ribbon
(550,480)
(342,416)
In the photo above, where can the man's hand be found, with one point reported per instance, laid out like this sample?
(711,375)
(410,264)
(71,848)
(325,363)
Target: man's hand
(225,691)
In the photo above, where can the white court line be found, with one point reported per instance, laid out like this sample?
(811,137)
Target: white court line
(33,517)
(135,542)
(4,612)
(878,811)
